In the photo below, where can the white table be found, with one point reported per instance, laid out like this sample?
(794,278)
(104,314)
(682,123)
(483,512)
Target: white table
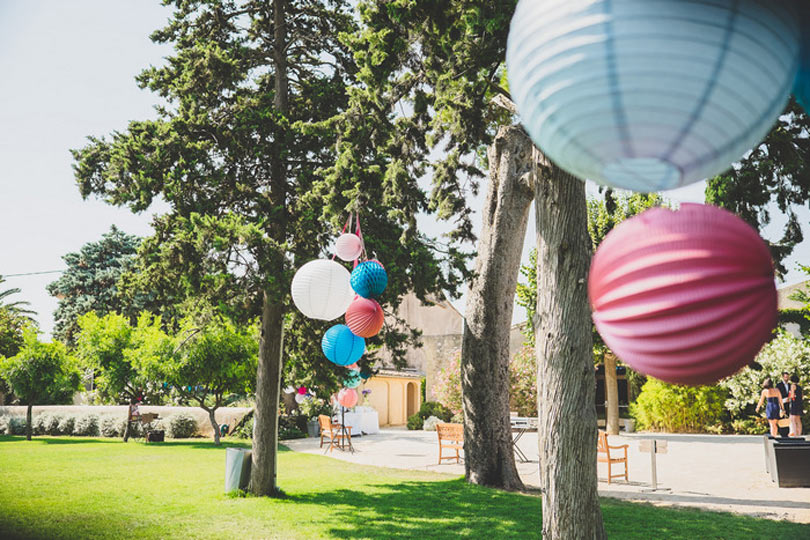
(362,420)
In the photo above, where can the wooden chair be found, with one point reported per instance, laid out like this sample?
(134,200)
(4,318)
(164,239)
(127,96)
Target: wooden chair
(450,436)
(333,432)
(603,456)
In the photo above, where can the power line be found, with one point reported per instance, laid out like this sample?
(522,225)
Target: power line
(32,273)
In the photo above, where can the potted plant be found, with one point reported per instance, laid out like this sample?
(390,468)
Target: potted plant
(311,408)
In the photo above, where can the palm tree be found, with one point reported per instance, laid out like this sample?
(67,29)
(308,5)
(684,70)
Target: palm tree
(14,307)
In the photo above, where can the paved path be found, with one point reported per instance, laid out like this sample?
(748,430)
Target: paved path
(719,472)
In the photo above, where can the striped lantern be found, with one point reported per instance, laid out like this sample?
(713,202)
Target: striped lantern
(650,94)
(321,289)
(802,87)
(353,379)
(686,296)
(364,317)
(369,279)
(342,347)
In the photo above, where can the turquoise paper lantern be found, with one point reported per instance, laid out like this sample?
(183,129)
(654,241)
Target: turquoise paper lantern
(369,279)
(650,95)
(353,379)
(802,88)
(341,346)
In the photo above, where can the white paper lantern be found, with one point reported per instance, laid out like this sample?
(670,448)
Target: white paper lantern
(650,94)
(300,398)
(348,247)
(321,289)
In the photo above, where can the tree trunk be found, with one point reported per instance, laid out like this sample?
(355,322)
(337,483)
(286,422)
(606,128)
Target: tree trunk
(29,428)
(264,472)
(565,372)
(127,423)
(488,454)
(268,387)
(611,396)
(213,419)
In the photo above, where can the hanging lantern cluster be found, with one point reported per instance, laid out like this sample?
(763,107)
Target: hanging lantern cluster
(647,95)
(324,289)
(802,87)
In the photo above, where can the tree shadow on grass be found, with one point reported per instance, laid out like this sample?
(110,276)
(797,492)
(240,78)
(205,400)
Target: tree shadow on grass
(416,509)
(205,444)
(44,439)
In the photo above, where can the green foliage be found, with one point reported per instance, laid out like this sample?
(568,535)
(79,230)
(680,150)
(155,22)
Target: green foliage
(181,425)
(776,172)
(415,422)
(783,353)
(90,283)
(523,382)
(245,430)
(40,373)
(111,347)
(12,325)
(313,407)
(434,408)
(675,408)
(86,425)
(14,307)
(447,385)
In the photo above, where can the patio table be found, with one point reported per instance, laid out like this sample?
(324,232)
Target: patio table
(521,425)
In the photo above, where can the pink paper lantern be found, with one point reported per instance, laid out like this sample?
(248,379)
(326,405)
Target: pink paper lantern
(364,317)
(353,366)
(348,246)
(685,296)
(347,397)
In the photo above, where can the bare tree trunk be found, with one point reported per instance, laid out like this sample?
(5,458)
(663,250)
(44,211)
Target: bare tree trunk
(611,395)
(213,419)
(268,387)
(565,372)
(29,428)
(127,430)
(488,454)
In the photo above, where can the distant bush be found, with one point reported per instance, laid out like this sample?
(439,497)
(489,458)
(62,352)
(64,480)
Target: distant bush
(47,424)
(86,425)
(66,424)
(3,424)
(290,433)
(415,422)
(675,408)
(430,423)
(434,408)
(181,426)
(245,431)
(111,426)
(16,425)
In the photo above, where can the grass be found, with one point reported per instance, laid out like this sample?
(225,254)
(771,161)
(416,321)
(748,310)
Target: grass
(103,488)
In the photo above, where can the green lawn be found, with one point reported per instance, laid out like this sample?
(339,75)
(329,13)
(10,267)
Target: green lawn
(103,488)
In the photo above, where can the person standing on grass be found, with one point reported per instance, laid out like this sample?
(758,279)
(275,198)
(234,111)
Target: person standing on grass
(796,407)
(774,409)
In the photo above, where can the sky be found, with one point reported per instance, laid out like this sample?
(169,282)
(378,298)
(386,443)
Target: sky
(67,71)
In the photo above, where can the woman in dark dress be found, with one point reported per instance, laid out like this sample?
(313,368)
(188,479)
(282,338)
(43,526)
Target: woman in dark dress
(796,407)
(774,409)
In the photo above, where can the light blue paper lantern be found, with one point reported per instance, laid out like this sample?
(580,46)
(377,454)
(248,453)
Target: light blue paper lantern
(650,94)
(369,279)
(341,346)
(353,379)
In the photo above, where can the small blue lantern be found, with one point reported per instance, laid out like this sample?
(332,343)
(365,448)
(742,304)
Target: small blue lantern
(365,373)
(341,346)
(647,95)
(353,379)
(369,279)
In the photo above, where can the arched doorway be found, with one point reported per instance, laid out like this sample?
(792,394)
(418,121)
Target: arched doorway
(412,408)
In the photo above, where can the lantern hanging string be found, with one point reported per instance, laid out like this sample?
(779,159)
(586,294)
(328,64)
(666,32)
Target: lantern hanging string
(359,233)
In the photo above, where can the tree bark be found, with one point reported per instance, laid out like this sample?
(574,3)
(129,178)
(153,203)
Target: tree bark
(29,428)
(127,424)
(213,419)
(488,454)
(264,469)
(611,396)
(565,372)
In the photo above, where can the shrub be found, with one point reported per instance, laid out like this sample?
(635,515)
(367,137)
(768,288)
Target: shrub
(111,426)
(47,424)
(415,422)
(448,385)
(16,425)
(245,431)
(750,426)
(182,426)
(52,427)
(458,418)
(430,423)
(434,408)
(287,433)
(675,408)
(3,425)
(66,424)
(86,425)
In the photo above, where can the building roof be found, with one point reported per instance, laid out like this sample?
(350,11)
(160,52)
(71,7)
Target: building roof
(403,373)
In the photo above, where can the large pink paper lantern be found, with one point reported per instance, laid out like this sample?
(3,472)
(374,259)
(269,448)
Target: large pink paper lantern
(364,317)
(686,296)
(347,397)
(348,246)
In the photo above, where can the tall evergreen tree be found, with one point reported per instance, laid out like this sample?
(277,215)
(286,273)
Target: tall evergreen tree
(90,282)
(237,153)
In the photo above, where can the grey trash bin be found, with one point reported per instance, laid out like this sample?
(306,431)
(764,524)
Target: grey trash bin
(237,469)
